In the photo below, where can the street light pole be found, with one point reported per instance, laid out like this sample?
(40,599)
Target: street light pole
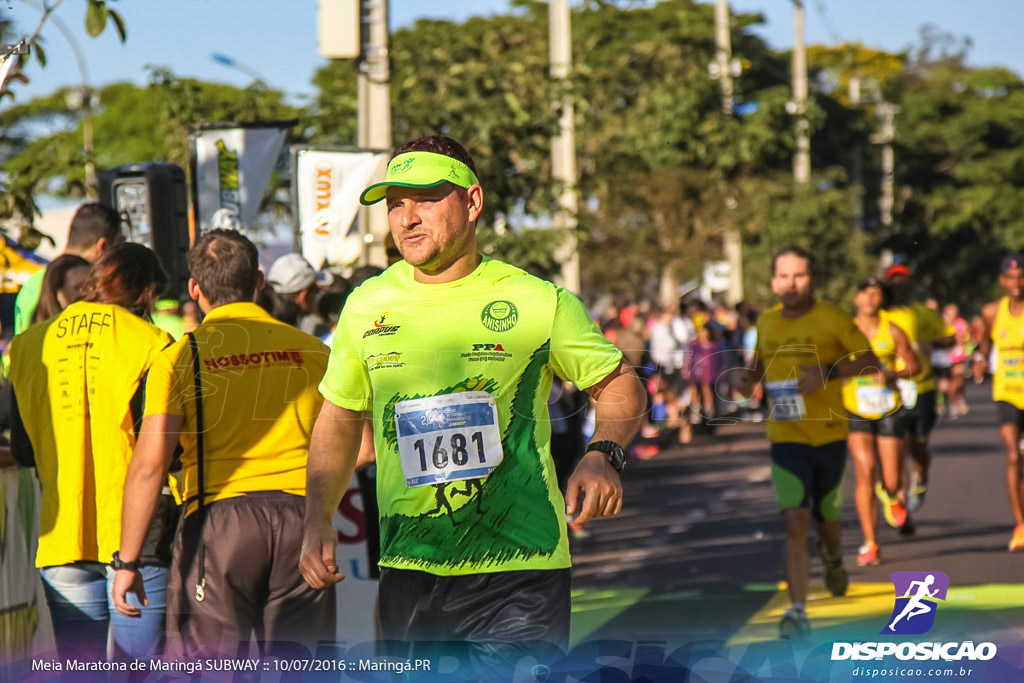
(563,146)
(723,54)
(374,117)
(802,158)
(232,63)
(732,243)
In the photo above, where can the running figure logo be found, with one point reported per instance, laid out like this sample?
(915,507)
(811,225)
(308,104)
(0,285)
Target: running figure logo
(917,594)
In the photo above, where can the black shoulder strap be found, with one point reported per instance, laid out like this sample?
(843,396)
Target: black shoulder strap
(200,479)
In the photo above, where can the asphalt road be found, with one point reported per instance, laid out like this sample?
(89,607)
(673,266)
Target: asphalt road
(696,551)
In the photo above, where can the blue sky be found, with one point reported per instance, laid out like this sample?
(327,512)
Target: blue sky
(277,38)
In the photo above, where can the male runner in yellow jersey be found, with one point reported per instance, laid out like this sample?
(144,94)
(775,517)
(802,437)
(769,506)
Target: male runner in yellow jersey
(1004,327)
(802,350)
(926,330)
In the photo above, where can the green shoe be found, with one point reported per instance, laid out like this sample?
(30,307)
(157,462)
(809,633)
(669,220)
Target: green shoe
(836,579)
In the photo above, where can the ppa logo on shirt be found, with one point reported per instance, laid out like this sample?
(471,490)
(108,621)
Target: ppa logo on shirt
(917,598)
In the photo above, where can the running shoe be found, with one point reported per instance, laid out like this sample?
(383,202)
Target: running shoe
(836,579)
(868,554)
(1017,542)
(892,508)
(915,498)
(794,625)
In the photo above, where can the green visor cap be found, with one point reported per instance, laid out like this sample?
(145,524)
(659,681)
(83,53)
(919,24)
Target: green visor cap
(420,169)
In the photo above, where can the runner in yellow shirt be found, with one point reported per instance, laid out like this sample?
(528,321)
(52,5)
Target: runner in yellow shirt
(926,330)
(875,410)
(1004,327)
(803,348)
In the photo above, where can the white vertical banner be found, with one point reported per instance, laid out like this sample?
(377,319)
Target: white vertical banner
(232,169)
(327,188)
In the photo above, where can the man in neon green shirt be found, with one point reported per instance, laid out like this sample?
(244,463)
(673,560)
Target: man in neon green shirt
(94,228)
(451,357)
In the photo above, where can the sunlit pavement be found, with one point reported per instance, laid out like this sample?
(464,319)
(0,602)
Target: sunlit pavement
(696,552)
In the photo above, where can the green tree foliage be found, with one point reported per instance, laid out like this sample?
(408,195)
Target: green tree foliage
(959,170)
(17,192)
(131,124)
(663,172)
(662,169)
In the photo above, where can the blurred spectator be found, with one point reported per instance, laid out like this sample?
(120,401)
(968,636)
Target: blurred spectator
(94,228)
(295,290)
(704,365)
(167,316)
(362,274)
(329,303)
(61,284)
(190,316)
(632,341)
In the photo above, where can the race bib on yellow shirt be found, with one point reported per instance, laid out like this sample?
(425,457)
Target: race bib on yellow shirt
(908,392)
(875,400)
(446,438)
(787,403)
(1011,367)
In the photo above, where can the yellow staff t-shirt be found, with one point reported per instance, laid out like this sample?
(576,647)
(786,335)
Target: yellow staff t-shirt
(74,377)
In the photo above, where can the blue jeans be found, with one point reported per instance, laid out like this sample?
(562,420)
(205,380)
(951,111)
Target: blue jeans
(78,595)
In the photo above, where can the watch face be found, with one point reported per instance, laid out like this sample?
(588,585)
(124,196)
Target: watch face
(617,457)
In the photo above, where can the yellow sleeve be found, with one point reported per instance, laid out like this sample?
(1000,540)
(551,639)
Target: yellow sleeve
(167,390)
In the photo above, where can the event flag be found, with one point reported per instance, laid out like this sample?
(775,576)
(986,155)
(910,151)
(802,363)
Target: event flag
(232,164)
(326,196)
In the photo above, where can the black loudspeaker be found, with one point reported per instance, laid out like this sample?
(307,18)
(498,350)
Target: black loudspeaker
(152,200)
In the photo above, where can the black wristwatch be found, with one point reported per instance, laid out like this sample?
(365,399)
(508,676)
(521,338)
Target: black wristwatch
(117,563)
(616,455)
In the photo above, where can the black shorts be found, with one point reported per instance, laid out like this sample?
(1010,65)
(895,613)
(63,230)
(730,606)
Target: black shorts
(892,424)
(810,477)
(920,420)
(499,617)
(942,373)
(1010,414)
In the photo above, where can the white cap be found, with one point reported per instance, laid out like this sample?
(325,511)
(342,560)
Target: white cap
(291,274)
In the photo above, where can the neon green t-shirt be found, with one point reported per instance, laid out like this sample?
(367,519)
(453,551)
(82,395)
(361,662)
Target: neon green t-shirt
(399,346)
(27,300)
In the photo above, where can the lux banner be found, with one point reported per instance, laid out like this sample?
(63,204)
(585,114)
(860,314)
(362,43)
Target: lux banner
(326,189)
(232,164)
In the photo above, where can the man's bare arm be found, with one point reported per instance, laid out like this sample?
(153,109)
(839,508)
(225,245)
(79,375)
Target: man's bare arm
(146,476)
(620,403)
(333,454)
